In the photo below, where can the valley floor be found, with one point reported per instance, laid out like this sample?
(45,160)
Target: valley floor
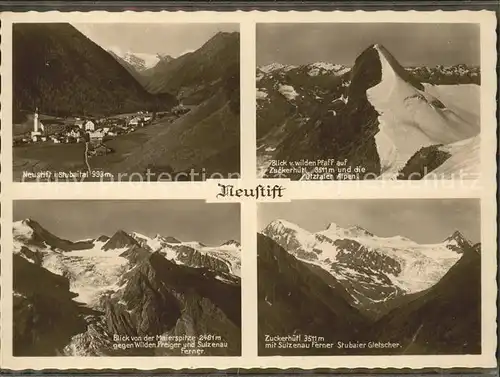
(70,157)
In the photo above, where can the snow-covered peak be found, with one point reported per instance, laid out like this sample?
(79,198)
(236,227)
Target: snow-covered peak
(281,225)
(315,69)
(231,243)
(358,231)
(271,67)
(457,242)
(464,163)
(332,227)
(410,266)
(288,92)
(410,118)
(456,235)
(140,61)
(334,231)
(22,229)
(152,243)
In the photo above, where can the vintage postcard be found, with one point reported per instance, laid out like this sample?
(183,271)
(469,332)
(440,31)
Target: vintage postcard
(236,190)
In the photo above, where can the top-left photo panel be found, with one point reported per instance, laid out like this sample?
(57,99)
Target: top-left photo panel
(125,102)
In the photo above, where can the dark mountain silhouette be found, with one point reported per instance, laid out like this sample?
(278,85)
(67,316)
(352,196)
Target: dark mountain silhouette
(135,254)
(425,160)
(120,240)
(195,258)
(295,299)
(446,319)
(42,237)
(62,72)
(458,242)
(103,238)
(326,134)
(45,316)
(203,142)
(162,298)
(206,140)
(329,116)
(197,75)
(231,242)
(129,67)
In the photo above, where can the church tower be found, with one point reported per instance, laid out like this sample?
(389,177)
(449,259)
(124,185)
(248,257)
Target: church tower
(35,121)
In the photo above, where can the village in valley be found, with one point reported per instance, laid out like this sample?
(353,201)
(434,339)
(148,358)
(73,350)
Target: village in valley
(49,129)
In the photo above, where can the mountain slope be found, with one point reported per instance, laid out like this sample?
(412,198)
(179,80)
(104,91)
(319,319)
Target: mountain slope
(446,319)
(197,75)
(410,111)
(62,72)
(205,140)
(127,285)
(129,67)
(45,316)
(32,233)
(141,66)
(295,300)
(120,240)
(298,297)
(287,95)
(381,118)
(160,298)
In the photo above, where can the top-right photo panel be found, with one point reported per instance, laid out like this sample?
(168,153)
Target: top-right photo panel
(356,101)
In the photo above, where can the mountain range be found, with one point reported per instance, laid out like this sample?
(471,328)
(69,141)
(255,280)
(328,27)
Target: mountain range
(363,115)
(349,285)
(62,72)
(207,80)
(72,298)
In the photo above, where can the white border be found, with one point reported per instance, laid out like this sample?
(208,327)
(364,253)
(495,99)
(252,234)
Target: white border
(484,189)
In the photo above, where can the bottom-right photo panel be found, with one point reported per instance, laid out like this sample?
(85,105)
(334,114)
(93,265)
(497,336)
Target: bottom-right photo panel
(369,277)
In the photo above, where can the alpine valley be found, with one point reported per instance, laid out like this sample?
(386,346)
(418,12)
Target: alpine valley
(146,114)
(349,285)
(388,121)
(78,298)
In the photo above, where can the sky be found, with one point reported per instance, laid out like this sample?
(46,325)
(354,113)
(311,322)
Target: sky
(422,220)
(186,220)
(173,39)
(340,43)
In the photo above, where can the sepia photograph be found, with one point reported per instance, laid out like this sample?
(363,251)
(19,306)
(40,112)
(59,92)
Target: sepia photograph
(356,101)
(125,101)
(369,277)
(126,278)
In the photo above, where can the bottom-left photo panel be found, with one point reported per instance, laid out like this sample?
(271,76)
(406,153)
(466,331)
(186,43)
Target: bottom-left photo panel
(126,278)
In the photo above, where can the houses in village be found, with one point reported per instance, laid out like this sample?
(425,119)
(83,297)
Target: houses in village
(90,129)
(95,130)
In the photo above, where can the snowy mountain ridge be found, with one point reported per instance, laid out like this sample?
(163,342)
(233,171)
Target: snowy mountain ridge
(140,61)
(121,285)
(410,118)
(371,268)
(413,120)
(99,266)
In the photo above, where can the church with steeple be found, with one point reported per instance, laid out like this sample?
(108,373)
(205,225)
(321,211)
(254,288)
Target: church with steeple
(38,132)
